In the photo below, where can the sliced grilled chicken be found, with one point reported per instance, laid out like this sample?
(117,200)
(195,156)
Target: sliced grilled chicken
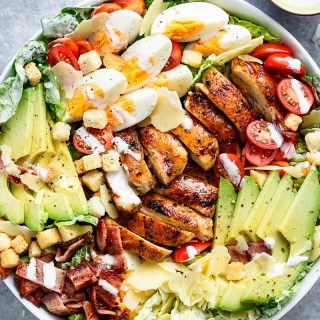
(156,230)
(132,157)
(193,170)
(202,145)
(257,85)
(193,192)
(144,248)
(166,154)
(228,99)
(177,215)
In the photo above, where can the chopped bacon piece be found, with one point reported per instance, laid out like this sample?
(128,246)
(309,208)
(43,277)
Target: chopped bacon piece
(88,309)
(36,297)
(255,248)
(114,280)
(36,266)
(82,276)
(25,286)
(66,250)
(4,273)
(101,235)
(98,305)
(114,243)
(236,256)
(55,305)
(76,297)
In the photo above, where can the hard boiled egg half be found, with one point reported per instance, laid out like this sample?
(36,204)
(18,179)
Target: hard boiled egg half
(99,89)
(145,59)
(190,21)
(231,37)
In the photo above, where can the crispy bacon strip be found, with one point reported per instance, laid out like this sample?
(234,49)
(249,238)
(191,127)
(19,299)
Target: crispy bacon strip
(88,309)
(114,243)
(36,297)
(55,305)
(257,247)
(98,305)
(253,249)
(101,235)
(4,273)
(25,286)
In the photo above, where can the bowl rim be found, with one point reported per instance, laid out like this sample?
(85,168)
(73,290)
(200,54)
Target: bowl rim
(248,11)
(294,12)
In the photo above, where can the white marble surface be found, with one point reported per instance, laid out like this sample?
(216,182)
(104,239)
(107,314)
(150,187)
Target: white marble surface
(20,19)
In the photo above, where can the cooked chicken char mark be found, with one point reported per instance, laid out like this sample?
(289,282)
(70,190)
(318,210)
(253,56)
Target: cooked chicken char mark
(202,145)
(214,120)
(166,155)
(257,85)
(228,99)
(177,215)
(194,192)
(156,230)
(133,161)
(144,248)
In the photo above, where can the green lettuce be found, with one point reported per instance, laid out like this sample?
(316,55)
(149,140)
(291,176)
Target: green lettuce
(316,83)
(301,146)
(171,3)
(11,89)
(81,218)
(79,316)
(83,253)
(81,13)
(255,30)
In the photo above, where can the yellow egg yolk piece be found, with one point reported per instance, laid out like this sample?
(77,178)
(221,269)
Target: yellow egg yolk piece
(210,46)
(80,102)
(178,30)
(120,112)
(134,73)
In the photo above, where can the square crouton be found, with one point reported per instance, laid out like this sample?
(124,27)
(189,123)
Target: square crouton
(90,62)
(95,118)
(34,250)
(111,161)
(19,244)
(61,131)
(48,238)
(33,73)
(93,180)
(9,258)
(5,241)
(91,162)
(79,166)
(53,173)
(234,271)
(292,121)
(192,58)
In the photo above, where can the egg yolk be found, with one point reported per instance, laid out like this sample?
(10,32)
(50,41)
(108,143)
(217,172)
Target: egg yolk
(118,112)
(210,46)
(80,103)
(178,30)
(134,73)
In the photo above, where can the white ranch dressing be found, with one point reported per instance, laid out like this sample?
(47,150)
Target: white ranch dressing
(277,270)
(269,242)
(123,116)
(90,140)
(303,101)
(232,169)
(114,38)
(123,148)
(108,259)
(32,270)
(108,287)
(49,275)
(41,171)
(187,123)
(294,64)
(293,261)
(191,252)
(275,135)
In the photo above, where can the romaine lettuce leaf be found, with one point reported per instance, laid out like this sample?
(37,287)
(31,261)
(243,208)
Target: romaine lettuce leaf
(171,3)
(85,219)
(148,311)
(79,316)
(81,13)
(83,253)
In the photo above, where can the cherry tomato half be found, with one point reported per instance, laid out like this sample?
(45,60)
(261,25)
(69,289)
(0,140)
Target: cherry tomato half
(258,157)
(295,96)
(107,7)
(230,167)
(264,135)
(189,250)
(284,63)
(265,50)
(60,53)
(135,5)
(175,57)
(104,136)
(71,44)
(84,46)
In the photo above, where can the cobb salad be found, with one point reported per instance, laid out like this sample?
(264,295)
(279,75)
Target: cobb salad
(158,160)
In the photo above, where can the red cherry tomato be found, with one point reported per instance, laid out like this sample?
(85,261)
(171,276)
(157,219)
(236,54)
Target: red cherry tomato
(189,250)
(258,157)
(107,7)
(104,136)
(60,53)
(71,44)
(267,49)
(284,63)
(175,57)
(135,5)
(264,135)
(84,46)
(230,167)
(295,96)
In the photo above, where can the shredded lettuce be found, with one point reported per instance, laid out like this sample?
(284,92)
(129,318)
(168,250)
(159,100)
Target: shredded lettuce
(83,253)
(78,316)
(301,146)
(316,83)
(85,219)
(11,89)
(81,13)
(25,258)
(171,3)
(255,30)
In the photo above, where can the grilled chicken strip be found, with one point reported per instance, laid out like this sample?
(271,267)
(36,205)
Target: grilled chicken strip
(132,157)
(228,99)
(166,154)
(144,248)
(177,215)
(194,192)
(202,145)
(214,120)
(257,85)
(156,230)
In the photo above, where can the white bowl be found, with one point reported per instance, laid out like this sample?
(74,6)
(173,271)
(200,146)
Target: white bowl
(247,11)
(299,8)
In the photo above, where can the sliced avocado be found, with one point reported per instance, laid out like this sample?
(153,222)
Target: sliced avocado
(57,206)
(17,132)
(222,285)
(257,212)
(70,232)
(277,209)
(225,208)
(10,207)
(34,214)
(247,197)
(312,119)
(298,224)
